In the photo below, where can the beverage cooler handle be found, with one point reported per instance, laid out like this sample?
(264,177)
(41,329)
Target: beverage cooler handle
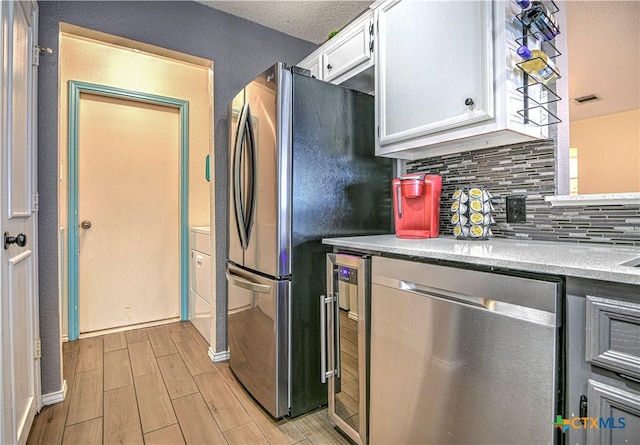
(336,322)
(399,200)
(323,338)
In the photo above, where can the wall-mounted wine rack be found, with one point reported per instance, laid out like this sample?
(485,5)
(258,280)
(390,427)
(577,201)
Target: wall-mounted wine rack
(537,96)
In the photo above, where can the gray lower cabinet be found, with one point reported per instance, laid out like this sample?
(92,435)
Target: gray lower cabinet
(603,363)
(617,412)
(613,335)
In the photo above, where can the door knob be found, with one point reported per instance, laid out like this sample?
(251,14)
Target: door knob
(20,240)
(85,224)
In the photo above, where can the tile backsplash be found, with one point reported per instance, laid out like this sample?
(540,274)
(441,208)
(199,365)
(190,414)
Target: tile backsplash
(529,169)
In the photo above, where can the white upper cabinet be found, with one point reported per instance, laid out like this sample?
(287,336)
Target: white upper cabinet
(435,69)
(350,49)
(347,58)
(443,81)
(313,65)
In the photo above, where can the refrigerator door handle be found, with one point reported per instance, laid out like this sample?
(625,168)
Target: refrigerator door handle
(244,216)
(246,284)
(253,156)
(235,183)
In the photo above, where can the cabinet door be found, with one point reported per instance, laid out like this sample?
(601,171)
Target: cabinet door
(312,63)
(315,69)
(351,48)
(617,412)
(432,58)
(613,335)
(201,275)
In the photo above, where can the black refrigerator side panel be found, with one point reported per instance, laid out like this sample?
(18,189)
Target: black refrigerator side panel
(339,189)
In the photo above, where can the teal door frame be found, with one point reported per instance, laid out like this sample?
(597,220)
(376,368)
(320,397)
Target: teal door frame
(75,89)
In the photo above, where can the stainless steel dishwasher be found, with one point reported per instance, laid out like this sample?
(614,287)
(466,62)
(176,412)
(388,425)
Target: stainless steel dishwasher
(461,356)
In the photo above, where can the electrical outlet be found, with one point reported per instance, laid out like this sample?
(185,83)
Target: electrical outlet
(516,209)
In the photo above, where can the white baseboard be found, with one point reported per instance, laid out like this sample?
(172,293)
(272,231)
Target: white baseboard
(55,397)
(130,327)
(218,356)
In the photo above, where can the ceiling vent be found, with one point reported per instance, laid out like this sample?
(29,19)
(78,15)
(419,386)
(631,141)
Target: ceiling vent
(585,99)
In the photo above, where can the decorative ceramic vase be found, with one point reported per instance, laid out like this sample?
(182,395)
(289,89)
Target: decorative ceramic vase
(471,213)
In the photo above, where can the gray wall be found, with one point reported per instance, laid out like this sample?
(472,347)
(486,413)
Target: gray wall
(240,50)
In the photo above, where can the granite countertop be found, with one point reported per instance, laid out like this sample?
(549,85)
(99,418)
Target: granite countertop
(557,258)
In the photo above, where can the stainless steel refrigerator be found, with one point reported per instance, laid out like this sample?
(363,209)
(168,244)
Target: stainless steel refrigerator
(301,168)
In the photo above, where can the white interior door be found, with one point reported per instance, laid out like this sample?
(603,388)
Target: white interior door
(129,193)
(20,373)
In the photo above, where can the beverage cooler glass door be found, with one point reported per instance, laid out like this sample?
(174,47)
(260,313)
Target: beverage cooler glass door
(259,337)
(345,312)
(260,174)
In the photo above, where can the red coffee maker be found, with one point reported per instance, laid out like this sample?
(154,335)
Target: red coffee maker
(416,205)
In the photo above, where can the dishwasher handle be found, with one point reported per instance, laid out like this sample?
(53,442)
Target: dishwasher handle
(446,294)
(525,313)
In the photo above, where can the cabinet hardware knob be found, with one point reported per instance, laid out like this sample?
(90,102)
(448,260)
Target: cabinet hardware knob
(85,224)
(469,102)
(329,66)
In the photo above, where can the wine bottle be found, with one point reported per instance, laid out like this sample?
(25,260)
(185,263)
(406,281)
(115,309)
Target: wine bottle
(538,65)
(539,19)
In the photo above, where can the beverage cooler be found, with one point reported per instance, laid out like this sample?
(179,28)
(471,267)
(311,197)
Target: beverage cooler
(344,314)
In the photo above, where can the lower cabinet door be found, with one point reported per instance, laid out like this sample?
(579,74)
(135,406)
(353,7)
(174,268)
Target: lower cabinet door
(617,413)
(613,335)
(200,315)
(201,275)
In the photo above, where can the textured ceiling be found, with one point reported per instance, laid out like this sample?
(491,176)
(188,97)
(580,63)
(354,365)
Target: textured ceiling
(310,20)
(603,42)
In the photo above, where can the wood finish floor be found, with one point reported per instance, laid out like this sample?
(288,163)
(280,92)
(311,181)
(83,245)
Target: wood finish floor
(158,386)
